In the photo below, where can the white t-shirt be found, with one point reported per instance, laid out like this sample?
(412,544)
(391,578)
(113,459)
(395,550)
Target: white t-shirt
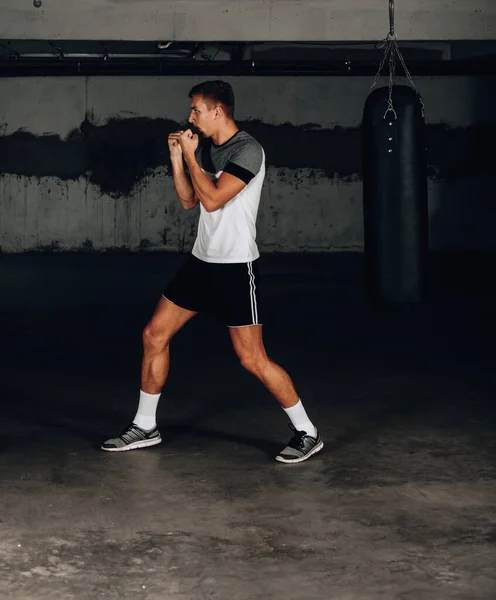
(228,235)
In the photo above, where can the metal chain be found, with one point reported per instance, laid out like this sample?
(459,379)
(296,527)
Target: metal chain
(409,77)
(392,50)
(392,72)
(383,62)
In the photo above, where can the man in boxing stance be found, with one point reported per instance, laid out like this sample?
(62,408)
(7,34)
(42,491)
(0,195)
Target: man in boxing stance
(224,173)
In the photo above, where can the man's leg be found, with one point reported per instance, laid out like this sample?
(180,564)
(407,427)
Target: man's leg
(167,320)
(249,346)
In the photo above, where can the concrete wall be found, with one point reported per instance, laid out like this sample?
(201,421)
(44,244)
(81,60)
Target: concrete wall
(247,20)
(84,161)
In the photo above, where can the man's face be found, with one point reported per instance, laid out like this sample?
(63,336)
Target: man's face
(202,116)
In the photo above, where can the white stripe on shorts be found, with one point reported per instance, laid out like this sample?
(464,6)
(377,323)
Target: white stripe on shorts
(253,297)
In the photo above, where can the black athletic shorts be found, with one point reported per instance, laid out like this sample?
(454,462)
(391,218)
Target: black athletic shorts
(228,291)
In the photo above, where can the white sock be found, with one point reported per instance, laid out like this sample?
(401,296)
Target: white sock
(300,420)
(147,411)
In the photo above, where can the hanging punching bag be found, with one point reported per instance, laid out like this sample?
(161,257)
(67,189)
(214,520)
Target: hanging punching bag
(395,197)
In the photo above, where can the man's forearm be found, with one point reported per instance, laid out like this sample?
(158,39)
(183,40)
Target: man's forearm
(203,187)
(184,189)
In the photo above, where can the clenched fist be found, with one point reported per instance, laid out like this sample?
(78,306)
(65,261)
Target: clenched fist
(174,145)
(188,142)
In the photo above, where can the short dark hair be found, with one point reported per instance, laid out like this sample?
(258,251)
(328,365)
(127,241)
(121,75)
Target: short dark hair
(219,92)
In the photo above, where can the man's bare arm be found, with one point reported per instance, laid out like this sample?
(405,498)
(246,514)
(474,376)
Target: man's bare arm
(184,189)
(213,195)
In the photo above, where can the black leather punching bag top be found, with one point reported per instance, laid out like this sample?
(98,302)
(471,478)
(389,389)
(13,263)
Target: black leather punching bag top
(395,197)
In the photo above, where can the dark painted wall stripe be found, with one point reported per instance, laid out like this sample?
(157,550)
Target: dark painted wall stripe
(117,156)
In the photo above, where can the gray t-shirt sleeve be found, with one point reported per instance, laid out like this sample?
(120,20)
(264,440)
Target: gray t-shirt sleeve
(246,161)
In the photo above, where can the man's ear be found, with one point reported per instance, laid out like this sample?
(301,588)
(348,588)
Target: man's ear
(219,112)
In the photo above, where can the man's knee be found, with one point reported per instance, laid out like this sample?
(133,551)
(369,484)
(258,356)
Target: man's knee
(254,363)
(154,338)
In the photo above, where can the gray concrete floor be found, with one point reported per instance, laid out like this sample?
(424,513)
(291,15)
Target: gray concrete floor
(399,505)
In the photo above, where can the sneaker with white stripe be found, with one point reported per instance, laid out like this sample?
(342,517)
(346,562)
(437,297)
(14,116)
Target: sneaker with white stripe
(132,438)
(300,447)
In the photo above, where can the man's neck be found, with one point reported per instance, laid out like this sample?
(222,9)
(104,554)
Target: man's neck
(225,134)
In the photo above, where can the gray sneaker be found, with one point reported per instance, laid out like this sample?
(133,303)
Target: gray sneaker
(132,438)
(300,447)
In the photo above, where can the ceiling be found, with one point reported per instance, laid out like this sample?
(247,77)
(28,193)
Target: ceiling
(66,57)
